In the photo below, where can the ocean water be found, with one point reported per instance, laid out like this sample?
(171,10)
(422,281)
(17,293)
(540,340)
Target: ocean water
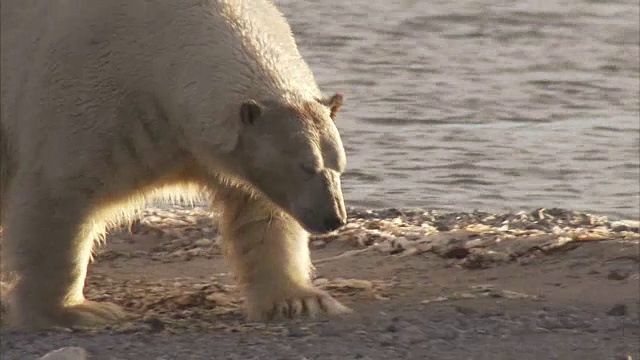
(488,105)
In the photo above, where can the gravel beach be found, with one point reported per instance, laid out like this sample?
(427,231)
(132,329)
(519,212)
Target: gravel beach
(544,284)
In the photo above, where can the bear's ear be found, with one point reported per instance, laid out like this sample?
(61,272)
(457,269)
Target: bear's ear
(333,103)
(250,110)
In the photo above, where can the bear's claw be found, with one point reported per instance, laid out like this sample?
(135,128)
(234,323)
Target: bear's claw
(312,304)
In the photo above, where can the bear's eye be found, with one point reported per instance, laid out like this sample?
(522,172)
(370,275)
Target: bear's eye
(309,170)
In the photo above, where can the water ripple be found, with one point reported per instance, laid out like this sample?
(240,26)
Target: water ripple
(482,104)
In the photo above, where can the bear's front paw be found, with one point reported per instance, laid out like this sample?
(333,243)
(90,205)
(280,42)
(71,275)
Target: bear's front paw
(87,314)
(310,303)
(93,314)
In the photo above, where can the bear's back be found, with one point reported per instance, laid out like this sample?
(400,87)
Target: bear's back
(142,41)
(75,66)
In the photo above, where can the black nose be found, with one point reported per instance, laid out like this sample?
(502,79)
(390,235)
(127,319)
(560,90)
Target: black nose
(333,223)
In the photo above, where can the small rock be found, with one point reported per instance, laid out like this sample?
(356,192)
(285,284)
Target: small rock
(484,259)
(195,252)
(295,331)
(391,328)
(455,252)
(541,314)
(450,245)
(440,226)
(617,275)
(178,253)
(625,225)
(201,286)
(329,332)
(203,242)
(321,281)
(154,324)
(318,244)
(386,340)
(189,300)
(219,299)
(618,310)
(524,261)
(129,328)
(67,353)
(480,242)
(464,310)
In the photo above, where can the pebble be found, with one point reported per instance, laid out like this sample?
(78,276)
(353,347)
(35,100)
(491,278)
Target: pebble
(203,242)
(386,340)
(219,299)
(464,310)
(318,244)
(484,259)
(626,225)
(617,275)
(297,332)
(618,310)
(154,324)
(391,328)
(196,252)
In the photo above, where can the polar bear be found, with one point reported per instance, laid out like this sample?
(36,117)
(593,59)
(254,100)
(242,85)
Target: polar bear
(108,103)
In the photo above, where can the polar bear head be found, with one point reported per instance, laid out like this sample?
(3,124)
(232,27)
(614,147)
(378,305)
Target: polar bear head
(293,154)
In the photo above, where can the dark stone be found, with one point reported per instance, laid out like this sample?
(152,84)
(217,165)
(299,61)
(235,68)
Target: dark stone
(621,228)
(618,310)
(155,324)
(440,226)
(455,252)
(391,328)
(617,275)
(295,332)
(484,259)
(555,212)
(464,310)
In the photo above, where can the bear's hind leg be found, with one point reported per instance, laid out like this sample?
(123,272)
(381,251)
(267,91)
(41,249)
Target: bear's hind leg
(269,252)
(46,250)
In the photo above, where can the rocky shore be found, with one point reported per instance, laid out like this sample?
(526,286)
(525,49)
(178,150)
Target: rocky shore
(512,285)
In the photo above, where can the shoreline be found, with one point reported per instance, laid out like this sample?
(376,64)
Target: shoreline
(190,232)
(384,210)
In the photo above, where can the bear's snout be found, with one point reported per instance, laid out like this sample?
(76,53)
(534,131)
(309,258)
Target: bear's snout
(332,223)
(319,224)
(319,206)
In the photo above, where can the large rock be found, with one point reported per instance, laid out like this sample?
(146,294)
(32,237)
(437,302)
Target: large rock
(66,353)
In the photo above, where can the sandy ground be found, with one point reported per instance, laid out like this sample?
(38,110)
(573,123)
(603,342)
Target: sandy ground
(423,286)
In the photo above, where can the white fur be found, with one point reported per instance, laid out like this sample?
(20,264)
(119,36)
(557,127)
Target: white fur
(106,104)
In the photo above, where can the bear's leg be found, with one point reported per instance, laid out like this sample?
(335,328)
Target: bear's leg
(269,253)
(47,244)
